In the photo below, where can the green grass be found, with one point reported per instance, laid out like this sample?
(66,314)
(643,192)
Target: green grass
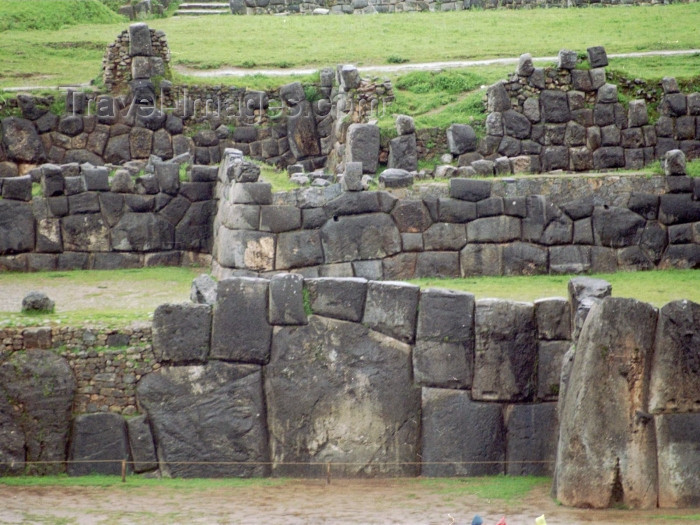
(122,290)
(27,15)
(655,287)
(505,488)
(136,482)
(73,54)
(278,178)
(677,517)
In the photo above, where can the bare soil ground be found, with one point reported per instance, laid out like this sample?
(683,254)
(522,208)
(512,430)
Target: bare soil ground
(300,502)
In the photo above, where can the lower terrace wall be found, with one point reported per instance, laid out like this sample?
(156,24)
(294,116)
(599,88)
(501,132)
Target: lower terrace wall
(283,376)
(469,227)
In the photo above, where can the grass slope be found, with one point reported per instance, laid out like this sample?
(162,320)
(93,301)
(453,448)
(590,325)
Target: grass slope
(26,15)
(73,54)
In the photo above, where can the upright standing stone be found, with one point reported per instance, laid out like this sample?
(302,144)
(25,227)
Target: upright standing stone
(99,444)
(363,146)
(140,40)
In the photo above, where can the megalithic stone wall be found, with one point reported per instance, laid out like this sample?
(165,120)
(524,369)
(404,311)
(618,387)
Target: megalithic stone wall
(471,227)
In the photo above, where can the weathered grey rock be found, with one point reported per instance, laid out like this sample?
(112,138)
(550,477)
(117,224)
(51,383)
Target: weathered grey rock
(607,451)
(516,124)
(362,145)
(203,290)
(122,182)
(461,437)
(481,259)
(142,232)
(554,106)
(338,392)
(349,77)
(497,98)
(21,141)
(391,309)
(287,300)
(298,249)
(98,445)
(352,177)
(617,227)
(553,318)
(168,177)
(241,330)
(17,229)
(597,57)
(525,65)
(674,162)
(250,193)
(522,258)
(502,228)
(37,302)
(470,189)
(505,354)
(461,138)
(550,359)
(17,188)
(677,438)
(396,178)
(532,432)
(607,94)
(278,219)
(457,211)
(637,115)
(181,333)
(302,133)
(582,289)
(675,368)
(678,208)
(245,249)
(567,59)
(338,298)
(356,237)
(494,125)
(411,216)
(405,125)
(208,413)
(402,153)
(443,236)
(141,445)
(140,40)
(35,426)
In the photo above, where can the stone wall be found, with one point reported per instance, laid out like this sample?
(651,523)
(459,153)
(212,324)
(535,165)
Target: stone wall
(569,118)
(279,376)
(362,7)
(106,363)
(471,227)
(85,219)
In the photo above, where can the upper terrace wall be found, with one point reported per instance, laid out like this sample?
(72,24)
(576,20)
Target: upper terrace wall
(471,227)
(362,7)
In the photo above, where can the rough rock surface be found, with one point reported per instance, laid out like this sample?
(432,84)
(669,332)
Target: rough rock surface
(461,437)
(339,392)
(678,443)
(181,332)
(214,412)
(607,452)
(36,398)
(98,445)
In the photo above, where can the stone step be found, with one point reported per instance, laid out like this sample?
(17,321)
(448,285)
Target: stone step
(197,12)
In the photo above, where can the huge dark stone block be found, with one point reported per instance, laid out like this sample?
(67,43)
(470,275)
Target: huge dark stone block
(505,354)
(287,299)
(362,145)
(181,332)
(461,437)
(298,249)
(402,153)
(241,331)
(678,208)
(210,413)
(391,309)
(85,233)
(338,298)
(98,445)
(20,140)
(301,132)
(675,368)
(553,319)
(17,228)
(142,232)
(521,258)
(607,450)
(470,189)
(141,445)
(338,392)
(36,399)
(194,231)
(554,106)
(351,238)
(532,432)
(445,236)
(678,448)
(617,227)
(411,216)
(502,228)
(550,358)
(250,250)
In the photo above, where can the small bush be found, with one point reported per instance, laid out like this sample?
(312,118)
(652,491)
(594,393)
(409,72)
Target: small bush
(395,59)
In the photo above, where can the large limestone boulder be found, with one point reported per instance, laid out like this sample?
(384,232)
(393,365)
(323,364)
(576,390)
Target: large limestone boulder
(210,413)
(36,399)
(607,451)
(338,392)
(675,368)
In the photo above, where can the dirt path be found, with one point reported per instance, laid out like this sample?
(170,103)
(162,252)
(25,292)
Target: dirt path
(297,502)
(402,68)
